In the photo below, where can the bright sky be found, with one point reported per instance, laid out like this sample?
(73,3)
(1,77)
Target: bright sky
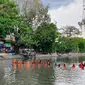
(65,12)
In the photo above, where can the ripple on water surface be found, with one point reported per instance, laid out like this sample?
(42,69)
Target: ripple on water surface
(39,74)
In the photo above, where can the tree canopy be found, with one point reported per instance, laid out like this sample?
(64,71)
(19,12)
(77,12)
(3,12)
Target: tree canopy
(45,35)
(46,38)
(70,31)
(35,13)
(9,16)
(11,21)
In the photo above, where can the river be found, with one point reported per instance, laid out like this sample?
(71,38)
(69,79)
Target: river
(41,74)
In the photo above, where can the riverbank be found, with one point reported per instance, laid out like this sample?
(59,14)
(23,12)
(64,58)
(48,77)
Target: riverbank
(9,56)
(42,56)
(62,54)
(70,55)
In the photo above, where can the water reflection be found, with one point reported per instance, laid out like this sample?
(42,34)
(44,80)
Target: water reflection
(28,65)
(69,77)
(61,72)
(33,66)
(39,66)
(9,76)
(14,66)
(69,60)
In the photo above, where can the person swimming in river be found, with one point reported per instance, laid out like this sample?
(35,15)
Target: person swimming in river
(33,62)
(39,61)
(81,65)
(73,66)
(64,66)
(48,62)
(57,65)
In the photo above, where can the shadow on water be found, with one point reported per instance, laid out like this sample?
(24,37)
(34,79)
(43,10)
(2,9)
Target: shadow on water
(71,60)
(82,58)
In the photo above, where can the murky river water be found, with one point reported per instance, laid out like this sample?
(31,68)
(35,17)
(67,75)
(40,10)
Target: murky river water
(41,74)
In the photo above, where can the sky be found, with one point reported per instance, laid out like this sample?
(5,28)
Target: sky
(65,12)
(56,3)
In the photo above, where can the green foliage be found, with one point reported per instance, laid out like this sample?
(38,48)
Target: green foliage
(26,37)
(62,46)
(12,22)
(80,44)
(65,45)
(70,31)
(9,16)
(43,39)
(35,13)
(45,36)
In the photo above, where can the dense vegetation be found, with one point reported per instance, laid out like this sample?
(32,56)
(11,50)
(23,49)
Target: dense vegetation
(32,29)
(65,45)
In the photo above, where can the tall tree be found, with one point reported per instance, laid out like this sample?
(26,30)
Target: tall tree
(81,24)
(9,16)
(11,21)
(70,31)
(45,36)
(35,13)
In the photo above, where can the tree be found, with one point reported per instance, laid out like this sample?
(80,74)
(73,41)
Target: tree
(12,22)
(10,19)
(35,13)
(64,45)
(73,44)
(45,36)
(26,37)
(70,31)
(9,16)
(81,24)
